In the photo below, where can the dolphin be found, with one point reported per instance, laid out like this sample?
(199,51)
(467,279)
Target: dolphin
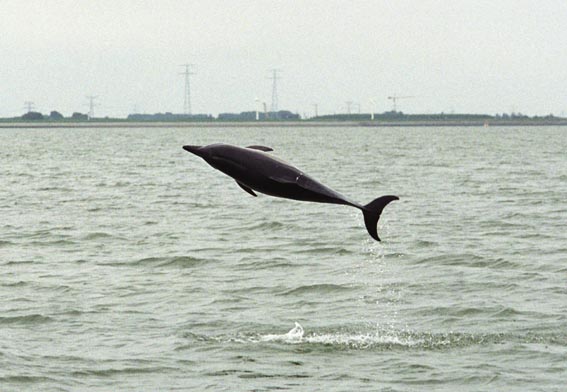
(255,170)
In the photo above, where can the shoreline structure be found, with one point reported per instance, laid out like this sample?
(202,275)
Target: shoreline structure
(276,124)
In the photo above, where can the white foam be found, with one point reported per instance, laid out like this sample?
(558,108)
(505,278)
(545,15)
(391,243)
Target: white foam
(360,340)
(295,335)
(357,340)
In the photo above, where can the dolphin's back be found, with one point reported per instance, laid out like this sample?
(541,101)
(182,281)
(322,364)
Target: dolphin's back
(270,175)
(246,163)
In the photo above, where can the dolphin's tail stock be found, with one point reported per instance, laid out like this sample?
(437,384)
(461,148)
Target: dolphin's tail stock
(372,213)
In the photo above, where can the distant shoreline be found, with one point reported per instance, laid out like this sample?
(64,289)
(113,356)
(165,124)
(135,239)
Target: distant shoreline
(276,124)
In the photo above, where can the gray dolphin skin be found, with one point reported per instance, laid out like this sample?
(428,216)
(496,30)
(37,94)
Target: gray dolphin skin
(255,170)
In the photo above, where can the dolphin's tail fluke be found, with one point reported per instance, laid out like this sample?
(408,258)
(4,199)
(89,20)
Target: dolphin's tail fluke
(372,213)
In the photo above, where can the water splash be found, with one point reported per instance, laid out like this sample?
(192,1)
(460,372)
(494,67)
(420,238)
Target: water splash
(362,340)
(295,335)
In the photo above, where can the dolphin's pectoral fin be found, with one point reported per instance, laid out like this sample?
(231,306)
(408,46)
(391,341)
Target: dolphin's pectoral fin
(247,189)
(261,148)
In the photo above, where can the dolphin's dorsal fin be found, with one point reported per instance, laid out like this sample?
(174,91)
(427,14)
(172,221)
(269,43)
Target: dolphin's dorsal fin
(261,148)
(247,189)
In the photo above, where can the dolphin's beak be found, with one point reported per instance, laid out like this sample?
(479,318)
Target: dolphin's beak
(194,150)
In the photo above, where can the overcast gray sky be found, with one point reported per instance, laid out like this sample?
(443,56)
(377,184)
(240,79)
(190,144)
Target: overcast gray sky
(451,55)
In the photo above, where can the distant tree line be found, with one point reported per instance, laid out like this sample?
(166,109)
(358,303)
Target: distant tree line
(285,115)
(243,116)
(400,116)
(520,116)
(53,116)
(168,116)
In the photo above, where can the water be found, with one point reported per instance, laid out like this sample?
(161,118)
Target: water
(128,264)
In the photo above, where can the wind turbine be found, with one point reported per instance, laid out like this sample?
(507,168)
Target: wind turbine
(257,109)
(372,106)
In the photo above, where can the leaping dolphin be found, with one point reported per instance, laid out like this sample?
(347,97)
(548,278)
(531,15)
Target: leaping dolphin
(254,170)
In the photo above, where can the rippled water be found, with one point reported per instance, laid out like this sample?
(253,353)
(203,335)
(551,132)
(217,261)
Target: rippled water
(128,264)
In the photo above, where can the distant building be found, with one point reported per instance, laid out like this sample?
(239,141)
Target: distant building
(262,116)
(79,116)
(168,116)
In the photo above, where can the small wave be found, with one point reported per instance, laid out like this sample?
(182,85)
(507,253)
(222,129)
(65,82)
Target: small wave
(498,263)
(97,235)
(252,375)
(278,262)
(265,226)
(502,224)
(150,223)
(93,236)
(121,371)
(18,262)
(5,243)
(175,261)
(120,184)
(249,374)
(506,313)
(20,283)
(72,312)
(326,250)
(27,319)
(54,188)
(323,288)
(468,260)
(425,243)
(54,242)
(500,312)
(24,379)
(450,259)
(39,233)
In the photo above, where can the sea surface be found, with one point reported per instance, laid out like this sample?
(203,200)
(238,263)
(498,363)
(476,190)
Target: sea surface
(127,264)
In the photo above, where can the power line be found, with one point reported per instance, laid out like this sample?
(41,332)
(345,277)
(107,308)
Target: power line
(187,93)
(29,106)
(92,105)
(395,98)
(275,77)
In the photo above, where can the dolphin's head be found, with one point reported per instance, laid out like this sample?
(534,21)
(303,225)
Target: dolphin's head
(197,150)
(207,152)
